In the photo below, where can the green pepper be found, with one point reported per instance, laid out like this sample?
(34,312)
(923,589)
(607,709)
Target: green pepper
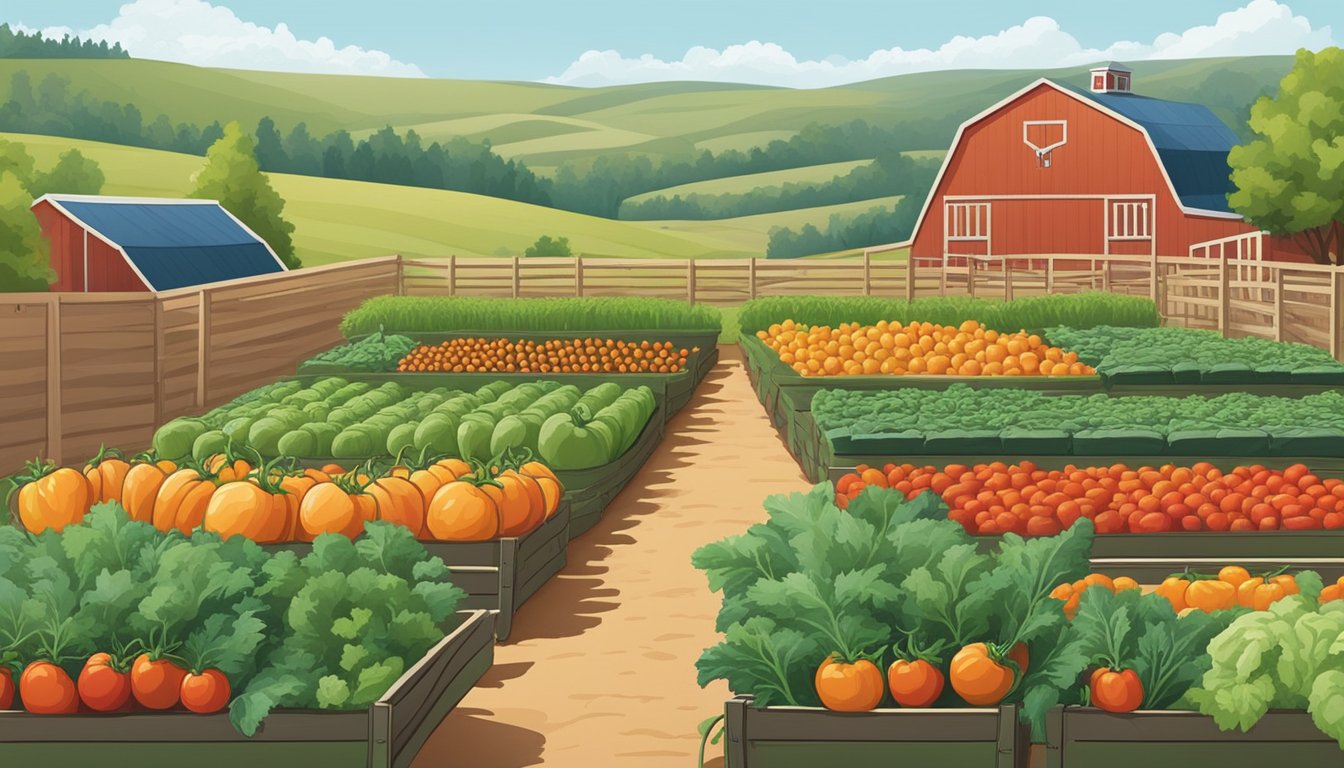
(574,440)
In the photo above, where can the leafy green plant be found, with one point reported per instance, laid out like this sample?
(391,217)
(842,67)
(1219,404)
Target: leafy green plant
(1082,310)
(1290,656)
(441,314)
(1115,350)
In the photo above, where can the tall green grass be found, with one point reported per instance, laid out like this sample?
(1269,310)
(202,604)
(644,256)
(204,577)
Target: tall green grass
(1078,310)
(433,314)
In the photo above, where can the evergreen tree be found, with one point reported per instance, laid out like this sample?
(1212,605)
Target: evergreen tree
(231,176)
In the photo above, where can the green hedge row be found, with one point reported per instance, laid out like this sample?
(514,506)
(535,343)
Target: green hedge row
(1080,310)
(434,314)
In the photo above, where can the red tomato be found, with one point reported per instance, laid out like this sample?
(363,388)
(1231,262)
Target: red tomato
(1116,691)
(102,687)
(47,689)
(157,684)
(206,693)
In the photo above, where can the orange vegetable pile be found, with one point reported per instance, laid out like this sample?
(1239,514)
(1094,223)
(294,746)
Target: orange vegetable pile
(445,500)
(479,355)
(992,499)
(1071,593)
(917,348)
(1234,586)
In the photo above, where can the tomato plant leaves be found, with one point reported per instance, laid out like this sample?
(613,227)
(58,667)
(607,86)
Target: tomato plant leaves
(758,656)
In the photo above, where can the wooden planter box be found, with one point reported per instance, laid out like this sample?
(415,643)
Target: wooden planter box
(810,737)
(589,491)
(386,735)
(1083,736)
(1151,557)
(499,576)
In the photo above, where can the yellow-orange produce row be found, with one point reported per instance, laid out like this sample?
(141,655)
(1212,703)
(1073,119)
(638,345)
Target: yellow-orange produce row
(852,349)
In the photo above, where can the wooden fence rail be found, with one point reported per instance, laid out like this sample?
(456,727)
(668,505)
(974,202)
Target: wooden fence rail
(84,369)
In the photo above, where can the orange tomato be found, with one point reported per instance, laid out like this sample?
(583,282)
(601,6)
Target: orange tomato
(979,679)
(846,687)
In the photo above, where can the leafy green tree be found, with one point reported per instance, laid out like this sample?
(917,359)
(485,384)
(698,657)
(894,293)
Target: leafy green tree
(1290,178)
(25,260)
(546,246)
(14,158)
(231,176)
(73,174)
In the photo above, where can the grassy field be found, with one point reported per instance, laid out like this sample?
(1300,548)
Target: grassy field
(547,124)
(339,220)
(737,185)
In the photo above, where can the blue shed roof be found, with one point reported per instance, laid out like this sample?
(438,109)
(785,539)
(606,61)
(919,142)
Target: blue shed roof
(1191,142)
(174,243)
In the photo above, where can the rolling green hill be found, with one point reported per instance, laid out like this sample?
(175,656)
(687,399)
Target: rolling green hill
(736,185)
(339,220)
(547,124)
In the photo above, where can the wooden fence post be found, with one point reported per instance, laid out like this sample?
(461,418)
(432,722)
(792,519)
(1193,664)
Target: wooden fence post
(867,274)
(54,408)
(1106,275)
(690,281)
(970,276)
(751,278)
(517,275)
(158,361)
(202,346)
(910,276)
(578,276)
(401,276)
(1008,279)
(1049,274)
(452,275)
(1278,303)
(1224,299)
(1337,313)
(1152,274)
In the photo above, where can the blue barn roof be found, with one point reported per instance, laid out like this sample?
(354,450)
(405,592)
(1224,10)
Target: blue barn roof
(173,243)
(1190,140)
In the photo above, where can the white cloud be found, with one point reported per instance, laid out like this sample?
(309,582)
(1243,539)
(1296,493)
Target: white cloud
(1261,27)
(196,32)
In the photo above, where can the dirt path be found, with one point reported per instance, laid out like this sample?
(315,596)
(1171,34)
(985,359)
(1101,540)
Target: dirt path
(600,667)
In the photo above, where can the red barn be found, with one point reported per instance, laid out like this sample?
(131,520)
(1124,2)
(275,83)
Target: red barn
(1053,170)
(147,244)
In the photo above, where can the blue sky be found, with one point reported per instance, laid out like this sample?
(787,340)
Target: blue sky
(595,42)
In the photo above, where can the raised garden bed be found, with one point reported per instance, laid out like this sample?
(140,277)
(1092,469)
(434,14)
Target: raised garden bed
(387,735)
(677,388)
(589,491)
(807,737)
(1151,557)
(1083,736)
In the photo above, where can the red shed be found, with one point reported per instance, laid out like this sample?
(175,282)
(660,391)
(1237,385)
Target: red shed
(147,244)
(1053,170)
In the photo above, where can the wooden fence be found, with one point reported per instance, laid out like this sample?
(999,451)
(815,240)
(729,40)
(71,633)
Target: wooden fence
(85,369)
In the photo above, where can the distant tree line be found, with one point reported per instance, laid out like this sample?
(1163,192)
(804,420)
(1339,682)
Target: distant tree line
(386,156)
(601,188)
(33,45)
(877,226)
(25,255)
(892,173)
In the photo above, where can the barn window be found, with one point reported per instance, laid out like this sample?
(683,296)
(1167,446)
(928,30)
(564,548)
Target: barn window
(967,221)
(1129,220)
(1098,82)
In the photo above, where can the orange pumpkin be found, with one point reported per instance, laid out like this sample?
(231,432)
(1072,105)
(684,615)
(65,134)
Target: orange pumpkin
(523,505)
(106,473)
(227,469)
(551,488)
(399,502)
(329,508)
(244,508)
(140,489)
(461,511)
(181,501)
(53,498)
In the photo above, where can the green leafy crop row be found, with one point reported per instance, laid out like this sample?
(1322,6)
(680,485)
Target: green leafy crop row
(442,314)
(1081,310)
(961,408)
(1116,349)
(375,353)
(331,630)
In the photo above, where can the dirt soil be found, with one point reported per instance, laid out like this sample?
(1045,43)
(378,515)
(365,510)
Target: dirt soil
(600,666)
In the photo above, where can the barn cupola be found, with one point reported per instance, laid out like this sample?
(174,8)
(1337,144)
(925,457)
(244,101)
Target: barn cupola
(1111,78)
